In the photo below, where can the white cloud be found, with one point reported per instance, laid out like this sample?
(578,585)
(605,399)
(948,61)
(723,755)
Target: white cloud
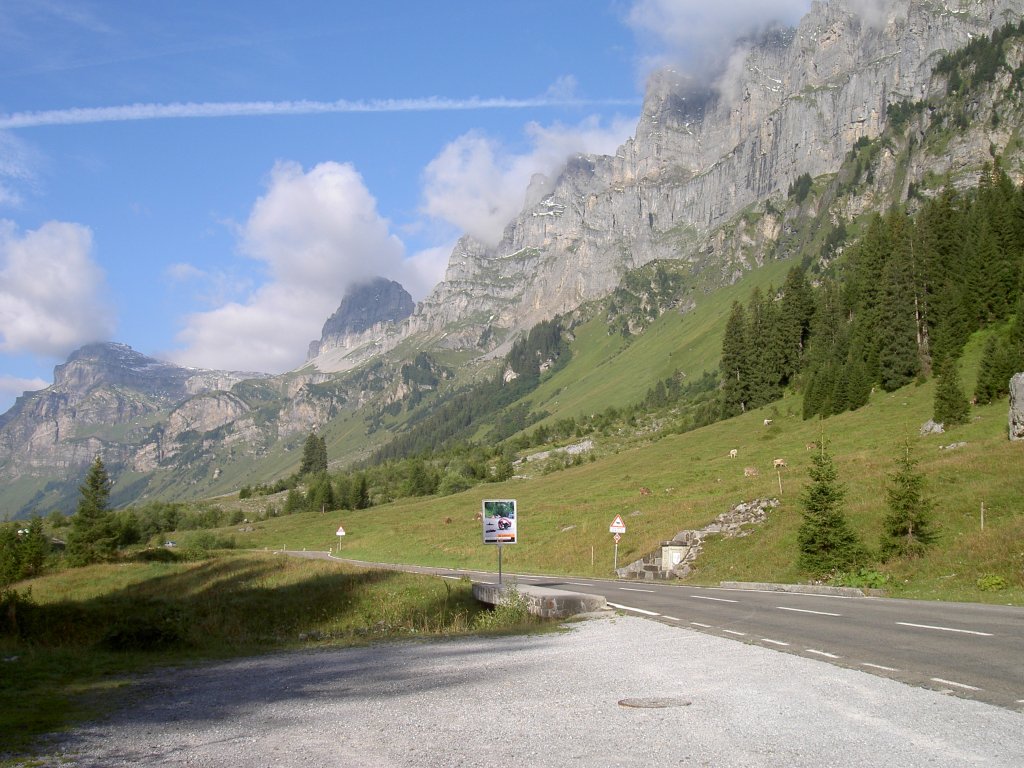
(316,233)
(698,36)
(12,387)
(51,290)
(425,269)
(478,186)
(16,163)
(193,110)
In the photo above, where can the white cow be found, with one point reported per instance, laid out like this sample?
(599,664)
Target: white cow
(733,453)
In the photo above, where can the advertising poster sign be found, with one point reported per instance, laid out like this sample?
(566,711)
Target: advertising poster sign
(499,517)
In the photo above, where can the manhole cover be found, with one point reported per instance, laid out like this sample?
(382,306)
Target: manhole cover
(655,703)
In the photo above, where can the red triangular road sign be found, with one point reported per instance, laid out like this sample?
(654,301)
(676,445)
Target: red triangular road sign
(617,525)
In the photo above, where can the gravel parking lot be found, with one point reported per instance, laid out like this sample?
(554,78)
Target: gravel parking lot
(608,692)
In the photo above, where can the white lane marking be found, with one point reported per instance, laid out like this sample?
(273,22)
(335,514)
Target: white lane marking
(716,599)
(773,642)
(670,618)
(453,578)
(580,583)
(635,610)
(631,589)
(698,624)
(945,629)
(787,594)
(955,684)
(879,666)
(734,632)
(826,654)
(804,610)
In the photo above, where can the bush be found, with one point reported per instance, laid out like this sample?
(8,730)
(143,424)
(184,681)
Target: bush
(512,611)
(861,579)
(12,603)
(150,627)
(991,583)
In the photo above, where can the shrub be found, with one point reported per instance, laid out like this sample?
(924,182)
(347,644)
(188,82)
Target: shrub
(991,583)
(512,611)
(151,626)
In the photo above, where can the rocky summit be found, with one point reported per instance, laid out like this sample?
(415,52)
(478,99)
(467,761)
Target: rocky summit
(705,182)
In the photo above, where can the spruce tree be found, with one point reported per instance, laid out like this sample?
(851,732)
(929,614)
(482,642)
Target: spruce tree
(908,528)
(320,496)
(951,407)
(735,363)
(314,455)
(827,543)
(93,536)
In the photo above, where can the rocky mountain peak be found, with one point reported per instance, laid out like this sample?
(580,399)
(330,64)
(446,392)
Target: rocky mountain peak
(367,304)
(368,311)
(113,364)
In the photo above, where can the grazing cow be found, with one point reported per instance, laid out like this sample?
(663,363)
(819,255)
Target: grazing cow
(750,472)
(645,491)
(447,521)
(778,464)
(767,422)
(733,453)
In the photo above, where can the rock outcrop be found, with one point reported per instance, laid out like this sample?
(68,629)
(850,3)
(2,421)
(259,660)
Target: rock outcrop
(676,558)
(1017,407)
(365,324)
(794,102)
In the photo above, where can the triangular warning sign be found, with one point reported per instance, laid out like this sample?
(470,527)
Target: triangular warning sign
(341,531)
(617,525)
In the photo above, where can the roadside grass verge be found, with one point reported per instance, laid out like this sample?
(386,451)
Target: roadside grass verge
(69,640)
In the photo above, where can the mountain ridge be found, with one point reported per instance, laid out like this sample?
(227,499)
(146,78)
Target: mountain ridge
(662,198)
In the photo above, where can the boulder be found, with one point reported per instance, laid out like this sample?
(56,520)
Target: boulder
(1017,407)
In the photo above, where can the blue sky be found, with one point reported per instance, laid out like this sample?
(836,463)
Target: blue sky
(203,181)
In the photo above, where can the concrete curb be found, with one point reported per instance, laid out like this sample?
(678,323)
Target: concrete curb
(804,589)
(543,601)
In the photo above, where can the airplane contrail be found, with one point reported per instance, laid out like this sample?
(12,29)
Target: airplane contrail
(179,110)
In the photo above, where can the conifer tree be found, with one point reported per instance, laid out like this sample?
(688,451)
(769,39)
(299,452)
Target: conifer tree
(314,455)
(93,536)
(908,528)
(827,543)
(320,496)
(795,313)
(735,363)
(897,330)
(951,406)
(360,492)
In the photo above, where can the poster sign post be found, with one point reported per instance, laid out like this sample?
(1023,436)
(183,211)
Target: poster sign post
(500,525)
(618,528)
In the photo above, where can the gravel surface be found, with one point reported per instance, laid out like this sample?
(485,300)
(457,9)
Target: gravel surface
(608,692)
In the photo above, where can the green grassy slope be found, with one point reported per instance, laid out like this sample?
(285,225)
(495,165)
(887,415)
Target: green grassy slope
(606,370)
(565,515)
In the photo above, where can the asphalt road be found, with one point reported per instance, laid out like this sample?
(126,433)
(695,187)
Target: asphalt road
(969,650)
(617,691)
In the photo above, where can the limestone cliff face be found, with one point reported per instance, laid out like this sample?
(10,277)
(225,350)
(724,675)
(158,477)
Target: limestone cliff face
(366,324)
(703,181)
(794,102)
(101,389)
